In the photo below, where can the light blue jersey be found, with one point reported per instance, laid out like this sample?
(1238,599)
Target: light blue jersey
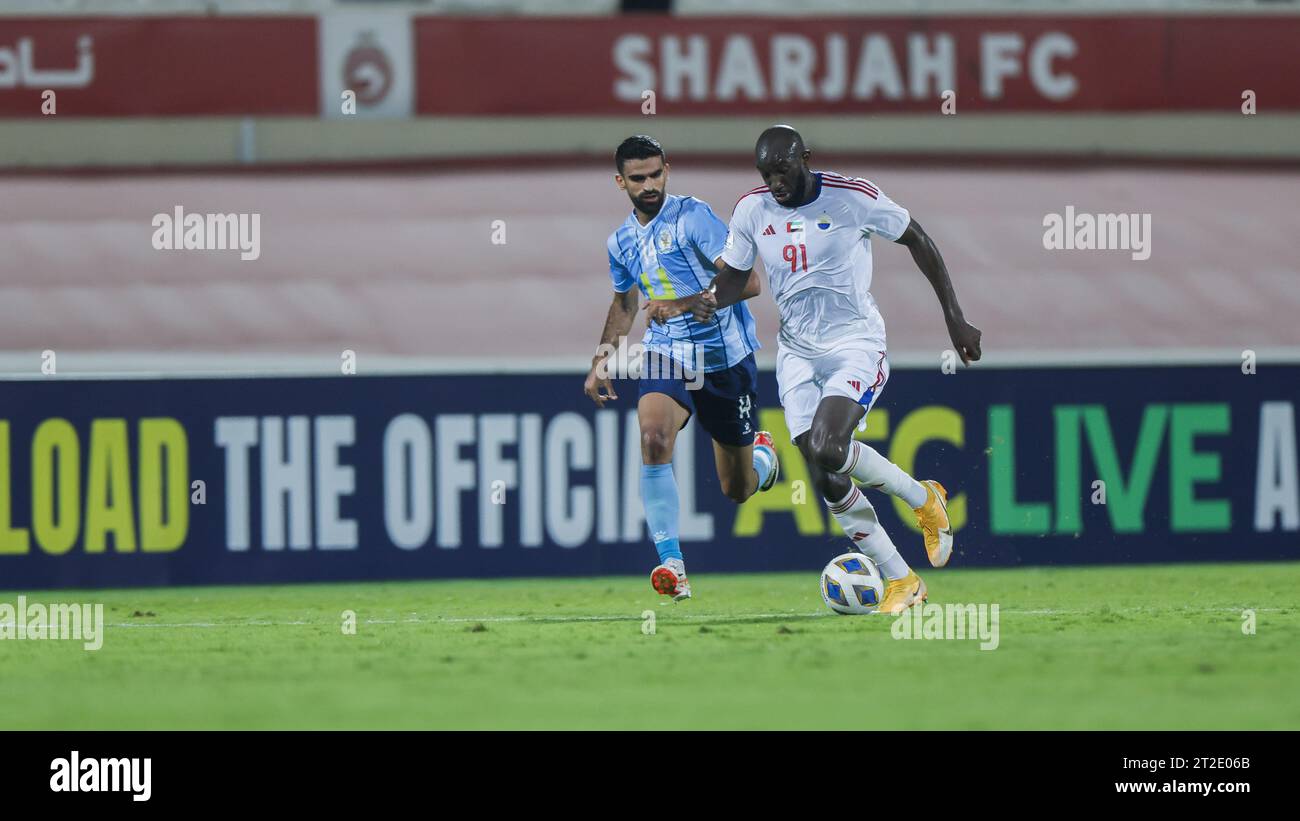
(673,257)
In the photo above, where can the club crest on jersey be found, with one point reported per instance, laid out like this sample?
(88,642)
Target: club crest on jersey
(769,231)
(824,222)
(794,226)
(743,407)
(665,240)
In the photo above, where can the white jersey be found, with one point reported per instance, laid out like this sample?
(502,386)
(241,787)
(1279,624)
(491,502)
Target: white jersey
(818,259)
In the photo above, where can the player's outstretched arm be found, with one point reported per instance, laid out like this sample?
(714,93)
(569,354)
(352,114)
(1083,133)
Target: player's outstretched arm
(965,336)
(731,286)
(722,291)
(753,285)
(618,321)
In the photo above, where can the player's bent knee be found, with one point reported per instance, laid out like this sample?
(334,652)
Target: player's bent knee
(827,450)
(656,446)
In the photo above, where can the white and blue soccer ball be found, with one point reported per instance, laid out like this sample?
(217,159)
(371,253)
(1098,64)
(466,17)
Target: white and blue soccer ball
(852,585)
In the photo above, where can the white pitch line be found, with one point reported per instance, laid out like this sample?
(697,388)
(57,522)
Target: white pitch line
(480,619)
(635,618)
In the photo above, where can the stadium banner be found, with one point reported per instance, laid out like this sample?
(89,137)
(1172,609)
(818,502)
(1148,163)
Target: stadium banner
(118,66)
(197,481)
(794,65)
(157,66)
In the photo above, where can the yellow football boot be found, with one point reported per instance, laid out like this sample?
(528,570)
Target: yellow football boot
(932,517)
(901,594)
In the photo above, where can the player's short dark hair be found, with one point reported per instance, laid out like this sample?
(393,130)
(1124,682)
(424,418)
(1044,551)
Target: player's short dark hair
(639,147)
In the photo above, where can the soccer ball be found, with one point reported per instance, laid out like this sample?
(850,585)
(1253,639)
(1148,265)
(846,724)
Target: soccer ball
(851,585)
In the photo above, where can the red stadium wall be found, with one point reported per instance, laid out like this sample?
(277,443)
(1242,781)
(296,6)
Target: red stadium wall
(183,66)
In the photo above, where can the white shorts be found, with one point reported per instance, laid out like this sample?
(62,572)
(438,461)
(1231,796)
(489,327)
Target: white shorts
(856,369)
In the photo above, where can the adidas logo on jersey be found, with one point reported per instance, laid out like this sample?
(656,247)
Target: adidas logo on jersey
(769,231)
(855,384)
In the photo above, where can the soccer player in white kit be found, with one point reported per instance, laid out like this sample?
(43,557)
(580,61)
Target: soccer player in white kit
(813,230)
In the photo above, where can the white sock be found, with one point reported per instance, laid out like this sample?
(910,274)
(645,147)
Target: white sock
(858,518)
(873,470)
(762,464)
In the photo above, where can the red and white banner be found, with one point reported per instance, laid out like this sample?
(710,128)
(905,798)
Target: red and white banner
(436,66)
(158,66)
(772,66)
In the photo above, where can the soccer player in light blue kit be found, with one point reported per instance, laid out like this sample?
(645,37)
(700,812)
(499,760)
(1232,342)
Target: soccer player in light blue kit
(669,247)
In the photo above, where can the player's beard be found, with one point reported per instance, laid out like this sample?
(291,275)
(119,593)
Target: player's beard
(650,209)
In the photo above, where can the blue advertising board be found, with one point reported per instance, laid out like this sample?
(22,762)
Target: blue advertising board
(233,480)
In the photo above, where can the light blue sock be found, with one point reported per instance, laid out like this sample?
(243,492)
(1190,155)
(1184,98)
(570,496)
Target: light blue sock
(659,496)
(762,464)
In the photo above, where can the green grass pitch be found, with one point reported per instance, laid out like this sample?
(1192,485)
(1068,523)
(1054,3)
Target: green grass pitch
(1158,647)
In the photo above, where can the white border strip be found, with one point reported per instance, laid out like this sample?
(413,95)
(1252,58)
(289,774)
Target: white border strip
(73,365)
